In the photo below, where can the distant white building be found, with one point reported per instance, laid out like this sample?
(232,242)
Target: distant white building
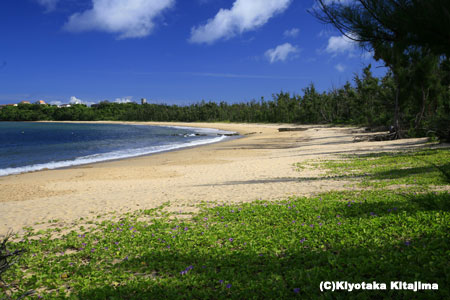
(41,102)
(143,101)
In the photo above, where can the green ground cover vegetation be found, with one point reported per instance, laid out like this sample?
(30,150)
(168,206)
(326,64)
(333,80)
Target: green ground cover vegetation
(421,170)
(260,250)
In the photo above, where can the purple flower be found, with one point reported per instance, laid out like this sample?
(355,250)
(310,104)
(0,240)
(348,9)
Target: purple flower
(312,225)
(407,243)
(339,223)
(106,248)
(186,229)
(221,281)
(296,290)
(293,221)
(245,243)
(230,239)
(205,219)
(372,213)
(320,224)
(228,286)
(183,272)
(117,243)
(318,217)
(338,216)
(232,211)
(84,244)
(93,250)
(303,224)
(302,240)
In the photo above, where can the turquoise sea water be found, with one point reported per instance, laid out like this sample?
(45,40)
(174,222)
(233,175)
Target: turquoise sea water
(26,147)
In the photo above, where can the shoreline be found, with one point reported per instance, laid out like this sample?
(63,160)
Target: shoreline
(220,136)
(260,165)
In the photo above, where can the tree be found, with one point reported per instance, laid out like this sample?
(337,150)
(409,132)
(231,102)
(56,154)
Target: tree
(402,33)
(416,23)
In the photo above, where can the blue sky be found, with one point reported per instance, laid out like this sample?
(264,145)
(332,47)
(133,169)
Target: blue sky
(168,51)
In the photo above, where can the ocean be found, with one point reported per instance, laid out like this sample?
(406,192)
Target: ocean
(26,147)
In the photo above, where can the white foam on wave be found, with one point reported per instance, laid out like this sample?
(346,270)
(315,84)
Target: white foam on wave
(94,158)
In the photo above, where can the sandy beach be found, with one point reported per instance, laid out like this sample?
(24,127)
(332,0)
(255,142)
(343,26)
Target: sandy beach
(260,165)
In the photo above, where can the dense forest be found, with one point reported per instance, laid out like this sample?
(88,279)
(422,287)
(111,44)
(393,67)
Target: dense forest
(367,101)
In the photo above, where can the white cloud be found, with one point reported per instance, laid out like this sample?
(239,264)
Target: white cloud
(48,4)
(291,33)
(123,100)
(55,102)
(340,67)
(340,45)
(281,52)
(75,100)
(245,15)
(130,19)
(368,54)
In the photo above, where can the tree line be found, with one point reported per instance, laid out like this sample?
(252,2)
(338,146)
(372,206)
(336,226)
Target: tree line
(367,101)
(412,38)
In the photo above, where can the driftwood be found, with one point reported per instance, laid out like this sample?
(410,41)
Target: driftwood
(228,134)
(292,129)
(375,137)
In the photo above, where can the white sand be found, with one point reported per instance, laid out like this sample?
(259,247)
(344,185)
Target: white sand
(258,166)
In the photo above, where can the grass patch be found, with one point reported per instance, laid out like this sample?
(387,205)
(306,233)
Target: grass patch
(415,168)
(261,250)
